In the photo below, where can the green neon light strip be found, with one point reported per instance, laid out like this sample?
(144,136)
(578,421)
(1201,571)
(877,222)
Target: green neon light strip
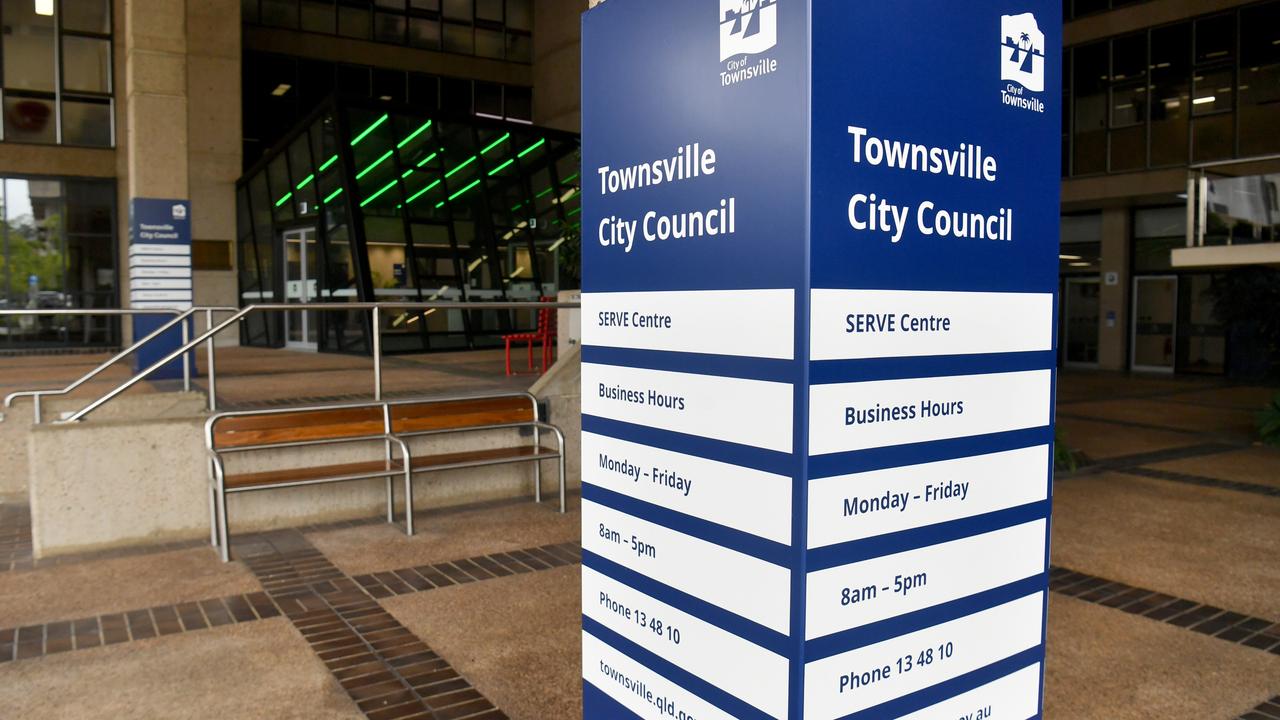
(459,194)
(495,143)
(428,159)
(573,212)
(569,179)
(407,173)
(463,190)
(419,194)
(516,207)
(328,162)
(333,195)
(414,134)
(501,167)
(452,172)
(369,129)
(374,196)
(284,199)
(306,181)
(533,147)
(577,225)
(375,164)
(543,194)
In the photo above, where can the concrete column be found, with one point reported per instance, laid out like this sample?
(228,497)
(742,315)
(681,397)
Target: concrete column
(155,40)
(557,63)
(1113,335)
(214,139)
(151,134)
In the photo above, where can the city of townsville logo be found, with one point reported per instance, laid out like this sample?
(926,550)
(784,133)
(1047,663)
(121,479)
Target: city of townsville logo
(1022,61)
(748,29)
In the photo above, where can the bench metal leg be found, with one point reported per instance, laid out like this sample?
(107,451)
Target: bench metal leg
(562,505)
(391,500)
(537,467)
(224,535)
(408,501)
(213,508)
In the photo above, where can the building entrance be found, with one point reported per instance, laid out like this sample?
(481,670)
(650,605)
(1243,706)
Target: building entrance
(1080,322)
(1155,315)
(301,268)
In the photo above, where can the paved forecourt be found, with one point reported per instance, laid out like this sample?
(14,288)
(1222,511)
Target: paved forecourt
(818,358)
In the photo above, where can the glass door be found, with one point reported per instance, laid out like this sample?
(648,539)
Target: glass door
(1080,322)
(301,268)
(1155,315)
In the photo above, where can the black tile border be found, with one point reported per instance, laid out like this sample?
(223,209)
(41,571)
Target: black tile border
(1234,627)
(1125,462)
(386,670)
(289,569)
(33,641)
(1268,710)
(1189,479)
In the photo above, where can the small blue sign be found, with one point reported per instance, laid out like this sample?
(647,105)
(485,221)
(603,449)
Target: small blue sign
(820,247)
(159,275)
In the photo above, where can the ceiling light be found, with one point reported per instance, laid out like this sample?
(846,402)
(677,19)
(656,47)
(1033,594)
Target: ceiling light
(1070,257)
(281,89)
(1080,264)
(384,98)
(1204,100)
(44,7)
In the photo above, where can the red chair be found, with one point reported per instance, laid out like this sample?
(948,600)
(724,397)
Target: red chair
(545,335)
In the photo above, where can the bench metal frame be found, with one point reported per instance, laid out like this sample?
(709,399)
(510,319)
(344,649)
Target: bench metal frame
(219,533)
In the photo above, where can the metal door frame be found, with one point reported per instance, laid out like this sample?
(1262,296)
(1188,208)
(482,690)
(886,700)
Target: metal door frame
(1066,325)
(1133,328)
(301,235)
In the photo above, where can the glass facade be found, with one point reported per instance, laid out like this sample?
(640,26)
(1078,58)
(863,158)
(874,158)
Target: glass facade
(499,29)
(362,203)
(279,91)
(1197,91)
(57,250)
(1072,9)
(57,84)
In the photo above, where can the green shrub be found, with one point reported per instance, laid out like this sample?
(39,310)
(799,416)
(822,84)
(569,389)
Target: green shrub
(1064,458)
(1269,423)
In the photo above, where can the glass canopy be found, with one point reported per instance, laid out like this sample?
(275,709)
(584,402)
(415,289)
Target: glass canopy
(365,202)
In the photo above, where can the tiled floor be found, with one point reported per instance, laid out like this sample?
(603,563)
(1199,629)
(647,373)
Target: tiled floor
(1166,588)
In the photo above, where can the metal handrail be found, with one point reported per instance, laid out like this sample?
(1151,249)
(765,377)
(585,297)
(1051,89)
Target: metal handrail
(180,316)
(375,310)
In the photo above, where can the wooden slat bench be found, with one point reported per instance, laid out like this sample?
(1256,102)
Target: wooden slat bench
(383,426)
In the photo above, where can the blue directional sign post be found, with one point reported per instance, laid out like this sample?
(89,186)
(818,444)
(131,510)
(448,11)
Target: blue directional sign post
(159,275)
(819,267)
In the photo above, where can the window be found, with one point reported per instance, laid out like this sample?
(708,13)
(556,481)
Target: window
(499,29)
(57,82)
(1259,81)
(418,208)
(1090,76)
(57,249)
(278,91)
(1202,90)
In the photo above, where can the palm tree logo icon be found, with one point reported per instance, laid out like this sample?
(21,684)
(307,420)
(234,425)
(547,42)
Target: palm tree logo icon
(1024,61)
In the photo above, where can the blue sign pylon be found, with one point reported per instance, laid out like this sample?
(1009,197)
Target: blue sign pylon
(819,252)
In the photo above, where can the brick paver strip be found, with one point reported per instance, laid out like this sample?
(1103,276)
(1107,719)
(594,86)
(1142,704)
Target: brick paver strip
(1127,462)
(301,583)
(386,670)
(1209,620)
(1269,710)
(1267,490)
